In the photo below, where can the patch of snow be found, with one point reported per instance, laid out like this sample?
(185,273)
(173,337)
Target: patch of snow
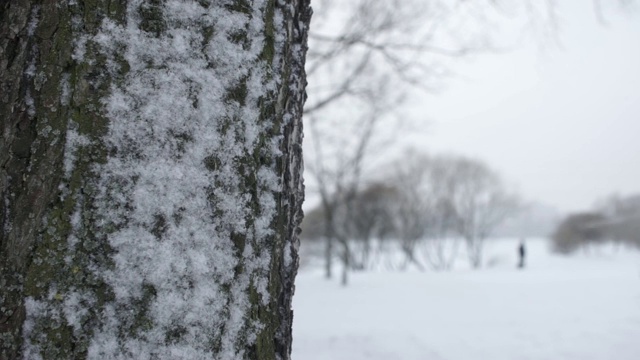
(28,99)
(76,308)
(35,309)
(174,217)
(33,23)
(65,90)
(558,307)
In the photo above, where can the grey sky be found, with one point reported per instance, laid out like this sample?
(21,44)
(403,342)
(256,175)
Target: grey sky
(563,125)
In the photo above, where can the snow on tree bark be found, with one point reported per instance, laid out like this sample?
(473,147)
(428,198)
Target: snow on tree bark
(151,178)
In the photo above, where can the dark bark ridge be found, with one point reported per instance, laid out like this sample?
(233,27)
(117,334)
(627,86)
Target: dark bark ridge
(38,79)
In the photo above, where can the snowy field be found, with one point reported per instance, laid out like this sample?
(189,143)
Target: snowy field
(586,306)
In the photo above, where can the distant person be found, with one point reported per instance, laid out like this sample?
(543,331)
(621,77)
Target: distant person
(522,252)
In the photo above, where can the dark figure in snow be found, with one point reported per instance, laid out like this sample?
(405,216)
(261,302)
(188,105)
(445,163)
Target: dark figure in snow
(522,251)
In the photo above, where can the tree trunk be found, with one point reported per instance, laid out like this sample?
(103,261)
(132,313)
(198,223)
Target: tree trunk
(150,177)
(346,262)
(329,236)
(474,251)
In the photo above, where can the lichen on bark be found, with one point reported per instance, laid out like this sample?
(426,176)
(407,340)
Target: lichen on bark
(36,74)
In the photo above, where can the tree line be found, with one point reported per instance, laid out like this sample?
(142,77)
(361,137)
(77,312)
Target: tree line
(614,220)
(427,207)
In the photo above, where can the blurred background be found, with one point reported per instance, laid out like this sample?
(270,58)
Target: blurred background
(472,176)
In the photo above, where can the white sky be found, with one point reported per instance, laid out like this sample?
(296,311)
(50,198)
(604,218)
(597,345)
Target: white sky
(562,125)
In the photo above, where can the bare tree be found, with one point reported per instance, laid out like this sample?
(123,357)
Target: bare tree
(364,55)
(578,231)
(624,220)
(413,206)
(370,221)
(445,198)
(481,203)
(338,183)
(442,241)
(621,223)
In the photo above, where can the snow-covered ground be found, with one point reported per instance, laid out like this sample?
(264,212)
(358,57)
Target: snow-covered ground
(586,306)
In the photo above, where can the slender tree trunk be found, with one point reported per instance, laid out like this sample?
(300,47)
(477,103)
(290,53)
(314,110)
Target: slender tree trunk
(474,250)
(329,236)
(346,262)
(150,177)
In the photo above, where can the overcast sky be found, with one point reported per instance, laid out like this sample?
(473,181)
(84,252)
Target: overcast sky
(562,125)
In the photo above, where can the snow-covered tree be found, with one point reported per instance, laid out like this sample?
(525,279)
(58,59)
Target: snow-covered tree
(150,177)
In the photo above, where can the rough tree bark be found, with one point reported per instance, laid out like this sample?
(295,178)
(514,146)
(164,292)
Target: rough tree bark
(150,177)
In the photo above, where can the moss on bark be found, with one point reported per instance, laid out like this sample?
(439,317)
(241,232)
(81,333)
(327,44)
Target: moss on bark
(44,90)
